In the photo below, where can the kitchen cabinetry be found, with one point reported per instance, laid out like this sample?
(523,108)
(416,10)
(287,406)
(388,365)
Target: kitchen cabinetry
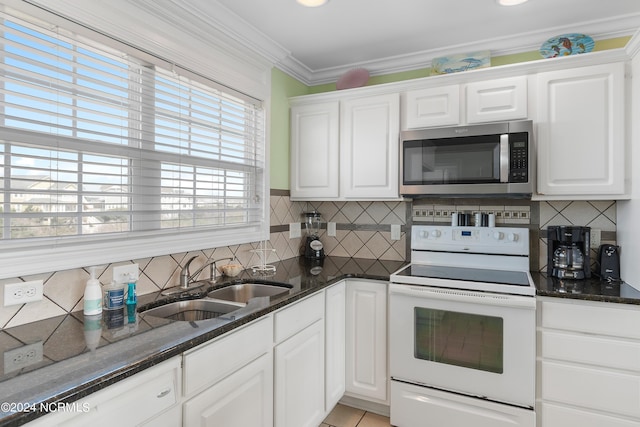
(484,101)
(146,399)
(588,364)
(335,300)
(345,149)
(299,371)
(580,133)
(366,337)
(225,377)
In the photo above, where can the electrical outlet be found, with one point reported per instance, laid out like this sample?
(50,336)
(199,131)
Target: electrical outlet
(595,238)
(331,229)
(395,231)
(23,292)
(22,357)
(123,273)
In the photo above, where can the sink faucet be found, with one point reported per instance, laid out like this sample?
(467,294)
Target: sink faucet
(186,278)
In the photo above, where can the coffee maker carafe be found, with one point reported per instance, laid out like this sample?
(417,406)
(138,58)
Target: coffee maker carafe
(313,247)
(568,252)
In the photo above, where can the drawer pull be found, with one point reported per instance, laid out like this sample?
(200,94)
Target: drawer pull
(164,393)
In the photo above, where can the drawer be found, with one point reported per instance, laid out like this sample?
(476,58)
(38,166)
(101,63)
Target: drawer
(618,320)
(298,316)
(592,350)
(211,362)
(592,389)
(560,416)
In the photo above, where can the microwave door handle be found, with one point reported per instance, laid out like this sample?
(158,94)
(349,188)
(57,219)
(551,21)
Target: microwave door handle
(504,158)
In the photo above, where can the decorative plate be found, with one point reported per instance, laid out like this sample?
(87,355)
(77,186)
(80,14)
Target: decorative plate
(353,78)
(461,62)
(566,44)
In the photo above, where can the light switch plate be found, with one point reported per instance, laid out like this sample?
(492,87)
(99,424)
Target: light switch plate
(595,238)
(395,231)
(331,229)
(295,230)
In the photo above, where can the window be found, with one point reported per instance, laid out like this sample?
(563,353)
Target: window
(101,150)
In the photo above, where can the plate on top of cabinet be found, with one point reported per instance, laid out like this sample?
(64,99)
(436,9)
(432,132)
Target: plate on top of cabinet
(566,44)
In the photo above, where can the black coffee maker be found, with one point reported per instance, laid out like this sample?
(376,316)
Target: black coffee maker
(568,252)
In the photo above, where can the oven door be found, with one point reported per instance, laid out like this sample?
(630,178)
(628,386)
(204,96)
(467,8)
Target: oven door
(475,343)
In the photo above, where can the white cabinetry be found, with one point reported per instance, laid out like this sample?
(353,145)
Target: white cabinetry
(335,300)
(367,339)
(299,364)
(580,133)
(315,152)
(225,377)
(589,364)
(136,401)
(345,148)
(483,101)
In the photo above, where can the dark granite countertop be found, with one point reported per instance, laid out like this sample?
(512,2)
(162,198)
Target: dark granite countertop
(77,360)
(592,289)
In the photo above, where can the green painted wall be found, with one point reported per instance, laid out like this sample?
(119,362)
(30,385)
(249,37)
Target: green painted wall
(284,86)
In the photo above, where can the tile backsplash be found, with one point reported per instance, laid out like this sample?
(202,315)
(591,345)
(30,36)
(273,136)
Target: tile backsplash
(362,230)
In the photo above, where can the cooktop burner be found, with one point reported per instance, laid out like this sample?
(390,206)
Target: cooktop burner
(514,278)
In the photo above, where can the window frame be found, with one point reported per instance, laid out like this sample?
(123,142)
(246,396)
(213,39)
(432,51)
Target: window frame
(23,258)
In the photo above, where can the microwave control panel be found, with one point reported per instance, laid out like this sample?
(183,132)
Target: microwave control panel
(518,157)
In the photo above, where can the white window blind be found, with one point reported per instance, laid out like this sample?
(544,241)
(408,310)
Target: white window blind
(98,146)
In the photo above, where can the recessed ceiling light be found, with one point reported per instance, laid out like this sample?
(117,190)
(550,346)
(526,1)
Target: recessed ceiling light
(312,3)
(510,2)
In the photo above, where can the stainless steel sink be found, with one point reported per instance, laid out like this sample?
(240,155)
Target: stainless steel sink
(192,310)
(243,292)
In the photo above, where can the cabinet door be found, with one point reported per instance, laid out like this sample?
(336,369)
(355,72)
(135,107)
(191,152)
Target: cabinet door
(495,100)
(335,344)
(369,131)
(314,151)
(581,146)
(367,339)
(299,378)
(241,399)
(437,106)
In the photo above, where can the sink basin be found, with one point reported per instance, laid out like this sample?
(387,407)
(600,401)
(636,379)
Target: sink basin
(243,292)
(192,310)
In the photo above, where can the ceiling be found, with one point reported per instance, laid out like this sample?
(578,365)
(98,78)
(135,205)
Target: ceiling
(387,36)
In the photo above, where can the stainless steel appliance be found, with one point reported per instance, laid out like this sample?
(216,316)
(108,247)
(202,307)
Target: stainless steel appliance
(489,159)
(462,329)
(313,247)
(568,252)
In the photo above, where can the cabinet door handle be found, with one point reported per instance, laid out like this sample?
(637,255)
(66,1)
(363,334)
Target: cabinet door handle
(163,393)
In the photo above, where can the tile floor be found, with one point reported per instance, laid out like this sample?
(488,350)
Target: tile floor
(346,416)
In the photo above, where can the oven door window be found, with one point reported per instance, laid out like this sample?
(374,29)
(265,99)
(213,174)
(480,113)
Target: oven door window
(460,339)
(470,160)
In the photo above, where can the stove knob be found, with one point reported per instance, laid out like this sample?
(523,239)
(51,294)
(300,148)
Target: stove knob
(513,237)
(436,233)
(424,234)
(498,235)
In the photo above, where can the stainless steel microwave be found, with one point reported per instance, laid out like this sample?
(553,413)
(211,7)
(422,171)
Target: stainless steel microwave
(494,159)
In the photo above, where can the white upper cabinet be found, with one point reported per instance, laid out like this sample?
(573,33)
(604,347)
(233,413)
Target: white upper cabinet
(369,147)
(497,100)
(483,101)
(345,149)
(580,133)
(314,150)
(431,107)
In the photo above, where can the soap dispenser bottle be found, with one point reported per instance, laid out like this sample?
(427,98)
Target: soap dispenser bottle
(92,295)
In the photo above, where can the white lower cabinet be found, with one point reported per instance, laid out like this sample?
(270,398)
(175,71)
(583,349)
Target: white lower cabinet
(140,400)
(366,338)
(335,300)
(588,364)
(299,364)
(239,400)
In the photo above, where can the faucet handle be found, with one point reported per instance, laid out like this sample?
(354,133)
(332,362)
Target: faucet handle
(185,276)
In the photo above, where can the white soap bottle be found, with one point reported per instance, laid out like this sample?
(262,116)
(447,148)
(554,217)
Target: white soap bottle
(92,295)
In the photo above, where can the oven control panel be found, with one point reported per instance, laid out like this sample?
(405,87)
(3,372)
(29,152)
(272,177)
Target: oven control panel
(493,240)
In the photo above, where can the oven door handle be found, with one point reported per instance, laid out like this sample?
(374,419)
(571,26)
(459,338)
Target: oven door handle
(459,295)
